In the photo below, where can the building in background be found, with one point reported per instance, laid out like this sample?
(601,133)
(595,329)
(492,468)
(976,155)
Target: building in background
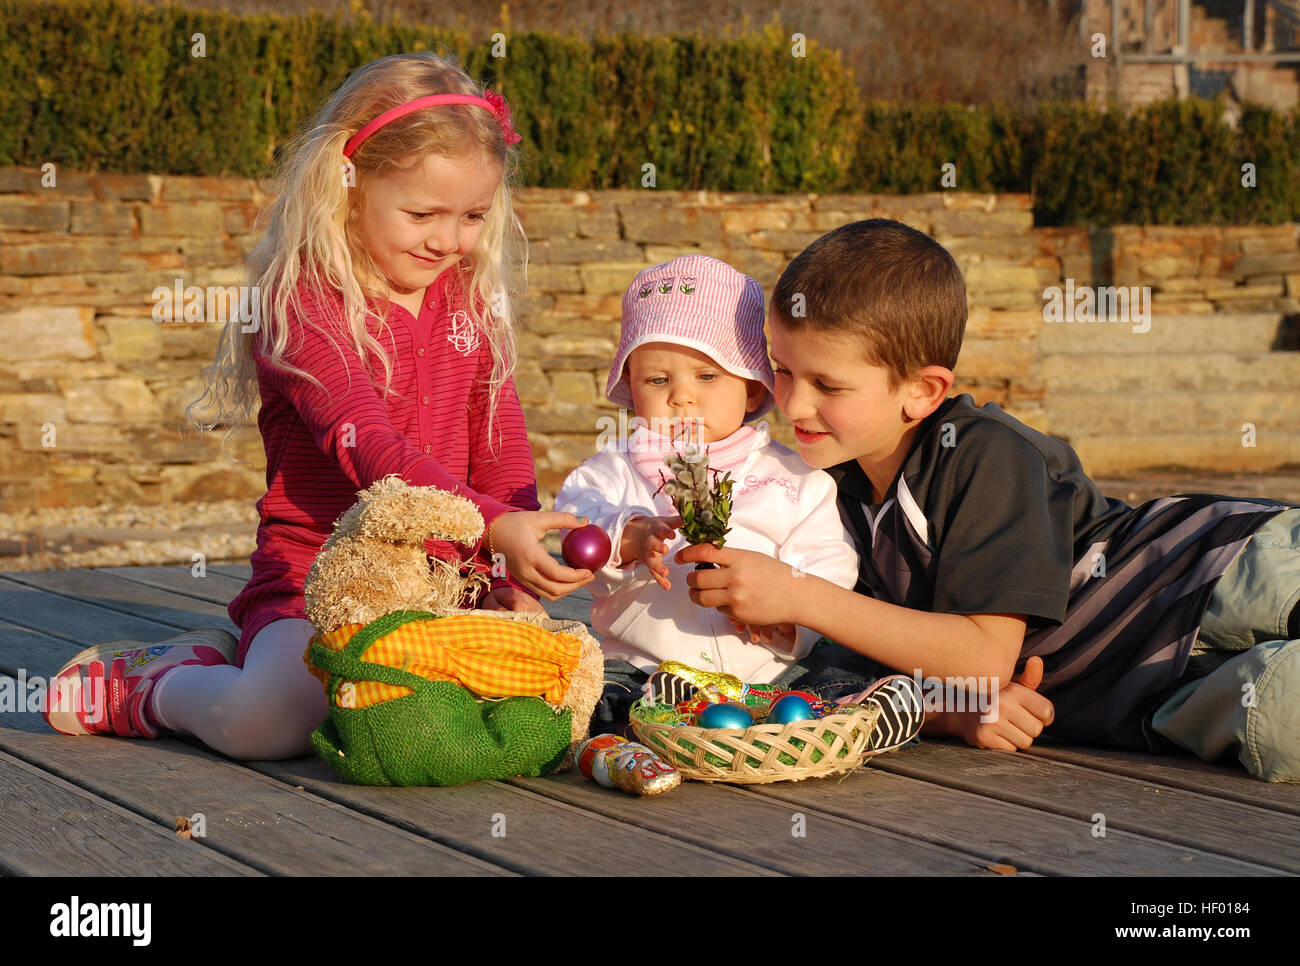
(1156,49)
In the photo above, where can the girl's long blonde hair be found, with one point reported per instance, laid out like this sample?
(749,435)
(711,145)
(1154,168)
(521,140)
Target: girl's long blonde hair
(312,235)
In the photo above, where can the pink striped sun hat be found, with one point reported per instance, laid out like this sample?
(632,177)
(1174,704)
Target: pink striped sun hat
(702,303)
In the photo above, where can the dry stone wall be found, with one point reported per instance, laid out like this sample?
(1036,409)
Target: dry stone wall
(93,389)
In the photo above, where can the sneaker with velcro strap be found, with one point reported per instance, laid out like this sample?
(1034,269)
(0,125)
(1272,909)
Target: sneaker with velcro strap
(105,690)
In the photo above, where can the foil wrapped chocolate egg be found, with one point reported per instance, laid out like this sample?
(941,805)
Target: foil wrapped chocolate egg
(586,548)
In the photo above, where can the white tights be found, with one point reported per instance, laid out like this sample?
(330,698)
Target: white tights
(265,711)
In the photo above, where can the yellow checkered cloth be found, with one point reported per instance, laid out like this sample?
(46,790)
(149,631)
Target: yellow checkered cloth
(491,656)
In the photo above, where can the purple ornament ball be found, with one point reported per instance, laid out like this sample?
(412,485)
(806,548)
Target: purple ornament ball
(586,548)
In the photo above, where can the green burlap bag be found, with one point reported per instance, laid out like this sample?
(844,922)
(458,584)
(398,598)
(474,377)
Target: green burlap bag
(441,734)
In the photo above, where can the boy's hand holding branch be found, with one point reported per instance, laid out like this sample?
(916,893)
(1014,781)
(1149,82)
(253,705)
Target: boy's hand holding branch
(748,587)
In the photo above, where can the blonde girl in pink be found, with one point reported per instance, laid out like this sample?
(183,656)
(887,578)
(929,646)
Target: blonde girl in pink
(385,345)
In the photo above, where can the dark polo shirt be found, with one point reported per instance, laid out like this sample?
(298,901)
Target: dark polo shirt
(989,516)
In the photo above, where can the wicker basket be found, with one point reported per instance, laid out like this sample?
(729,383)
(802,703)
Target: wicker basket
(763,752)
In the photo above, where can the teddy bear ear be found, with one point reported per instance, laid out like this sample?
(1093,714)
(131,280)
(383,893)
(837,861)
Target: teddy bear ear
(394,511)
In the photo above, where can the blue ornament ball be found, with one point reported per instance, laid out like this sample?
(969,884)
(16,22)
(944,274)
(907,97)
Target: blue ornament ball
(725,716)
(789,709)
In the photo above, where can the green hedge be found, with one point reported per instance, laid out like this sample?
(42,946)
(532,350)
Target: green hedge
(1175,162)
(109,84)
(1171,163)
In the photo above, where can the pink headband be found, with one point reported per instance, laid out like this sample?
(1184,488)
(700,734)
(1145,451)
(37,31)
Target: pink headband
(492,101)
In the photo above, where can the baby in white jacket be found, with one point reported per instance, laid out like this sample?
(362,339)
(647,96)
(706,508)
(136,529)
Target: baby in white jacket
(692,363)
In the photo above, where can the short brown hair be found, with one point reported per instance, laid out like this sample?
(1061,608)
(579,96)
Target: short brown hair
(895,287)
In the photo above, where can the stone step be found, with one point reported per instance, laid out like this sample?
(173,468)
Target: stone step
(1113,454)
(1200,372)
(1168,335)
(1072,414)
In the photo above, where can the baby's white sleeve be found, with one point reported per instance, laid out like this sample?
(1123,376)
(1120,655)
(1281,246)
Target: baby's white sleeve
(598,491)
(819,544)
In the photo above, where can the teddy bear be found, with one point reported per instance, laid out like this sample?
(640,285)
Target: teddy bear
(421,690)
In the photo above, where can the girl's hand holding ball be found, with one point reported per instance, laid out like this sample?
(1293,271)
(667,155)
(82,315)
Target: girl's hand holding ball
(517,536)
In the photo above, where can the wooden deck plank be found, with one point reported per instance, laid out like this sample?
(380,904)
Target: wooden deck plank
(51,827)
(934,809)
(217,587)
(999,832)
(81,622)
(1147,808)
(753,829)
(130,597)
(1181,771)
(31,652)
(263,824)
(541,836)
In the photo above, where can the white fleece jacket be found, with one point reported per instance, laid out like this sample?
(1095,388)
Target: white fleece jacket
(780,507)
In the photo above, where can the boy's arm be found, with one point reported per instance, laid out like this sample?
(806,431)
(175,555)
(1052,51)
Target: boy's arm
(1002,530)
(817,544)
(947,646)
(757,589)
(940,645)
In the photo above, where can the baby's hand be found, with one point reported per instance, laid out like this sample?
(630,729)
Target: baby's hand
(780,638)
(645,539)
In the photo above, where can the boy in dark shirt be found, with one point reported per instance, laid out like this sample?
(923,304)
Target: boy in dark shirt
(988,557)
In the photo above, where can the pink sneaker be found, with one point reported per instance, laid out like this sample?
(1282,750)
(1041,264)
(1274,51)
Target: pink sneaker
(104,690)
